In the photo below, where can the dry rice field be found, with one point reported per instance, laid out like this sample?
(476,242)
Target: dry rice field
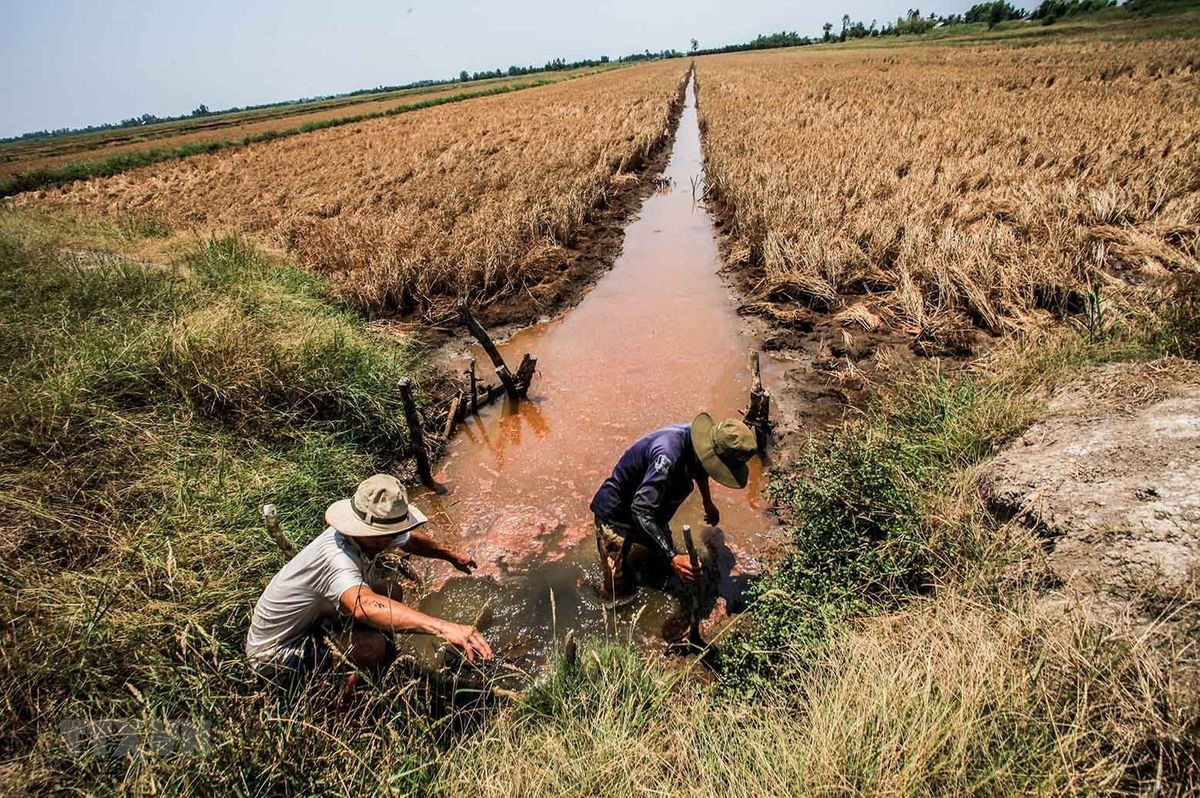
(23,156)
(944,190)
(473,200)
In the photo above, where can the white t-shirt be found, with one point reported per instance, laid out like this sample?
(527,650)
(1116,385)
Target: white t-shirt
(307,590)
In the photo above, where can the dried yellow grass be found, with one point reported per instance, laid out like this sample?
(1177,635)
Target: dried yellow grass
(958,187)
(473,200)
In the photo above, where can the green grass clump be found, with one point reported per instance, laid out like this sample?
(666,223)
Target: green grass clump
(1179,331)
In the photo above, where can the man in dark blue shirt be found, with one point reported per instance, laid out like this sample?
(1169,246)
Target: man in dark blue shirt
(634,506)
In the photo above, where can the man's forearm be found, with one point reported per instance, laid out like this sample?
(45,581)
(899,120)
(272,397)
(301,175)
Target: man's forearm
(658,536)
(422,545)
(384,613)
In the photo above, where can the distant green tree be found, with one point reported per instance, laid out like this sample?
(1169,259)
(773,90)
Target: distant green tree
(464,76)
(1050,11)
(695,45)
(993,13)
(912,22)
(827,27)
(202,110)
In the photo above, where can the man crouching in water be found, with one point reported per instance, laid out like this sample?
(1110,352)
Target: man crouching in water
(331,589)
(650,481)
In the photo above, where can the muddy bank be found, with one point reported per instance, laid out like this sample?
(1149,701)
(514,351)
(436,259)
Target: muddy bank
(1109,480)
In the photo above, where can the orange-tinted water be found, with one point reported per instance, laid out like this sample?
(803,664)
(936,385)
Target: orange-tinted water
(656,341)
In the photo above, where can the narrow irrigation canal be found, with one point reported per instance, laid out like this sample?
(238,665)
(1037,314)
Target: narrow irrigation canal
(657,340)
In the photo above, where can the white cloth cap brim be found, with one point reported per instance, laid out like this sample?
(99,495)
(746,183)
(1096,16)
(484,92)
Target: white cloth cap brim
(341,516)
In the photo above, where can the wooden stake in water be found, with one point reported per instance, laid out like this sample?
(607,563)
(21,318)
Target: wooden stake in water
(416,435)
(474,388)
(694,638)
(485,341)
(758,414)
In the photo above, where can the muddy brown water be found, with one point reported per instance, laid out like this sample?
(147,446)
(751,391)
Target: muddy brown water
(655,341)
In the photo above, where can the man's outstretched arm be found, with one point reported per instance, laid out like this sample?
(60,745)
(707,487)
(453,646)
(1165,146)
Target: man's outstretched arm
(422,545)
(383,613)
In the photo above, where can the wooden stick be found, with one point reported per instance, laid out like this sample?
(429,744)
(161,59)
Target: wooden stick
(525,373)
(489,347)
(570,648)
(484,618)
(507,695)
(415,433)
(452,417)
(509,382)
(694,638)
(271,517)
(474,389)
(758,413)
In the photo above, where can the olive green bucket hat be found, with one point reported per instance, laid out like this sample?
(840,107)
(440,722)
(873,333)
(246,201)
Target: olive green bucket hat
(724,448)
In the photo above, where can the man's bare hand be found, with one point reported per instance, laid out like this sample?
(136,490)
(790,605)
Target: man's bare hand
(712,516)
(467,639)
(683,567)
(465,563)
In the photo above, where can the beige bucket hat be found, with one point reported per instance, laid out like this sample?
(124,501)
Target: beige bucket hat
(379,507)
(724,449)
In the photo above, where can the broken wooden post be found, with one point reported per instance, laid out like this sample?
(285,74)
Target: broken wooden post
(415,434)
(506,377)
(570,649)
(452,416)
(271,517)
(758,414)
(694,639)
(525,374)
(474,389)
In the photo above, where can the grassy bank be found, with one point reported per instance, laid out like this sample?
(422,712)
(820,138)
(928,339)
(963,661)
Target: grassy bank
(146,412)
(149,407)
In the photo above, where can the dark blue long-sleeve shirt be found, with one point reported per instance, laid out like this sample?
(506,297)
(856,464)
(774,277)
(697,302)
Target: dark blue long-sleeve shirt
(648,484)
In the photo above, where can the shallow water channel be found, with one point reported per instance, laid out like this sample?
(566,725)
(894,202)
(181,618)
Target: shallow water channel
(655,341)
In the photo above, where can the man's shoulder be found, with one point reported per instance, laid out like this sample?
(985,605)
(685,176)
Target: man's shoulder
(670,441)
(330,546)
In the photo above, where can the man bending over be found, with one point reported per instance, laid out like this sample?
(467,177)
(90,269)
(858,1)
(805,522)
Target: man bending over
(634,506)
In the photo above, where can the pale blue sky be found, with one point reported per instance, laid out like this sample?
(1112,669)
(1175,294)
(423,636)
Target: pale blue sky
(72,62)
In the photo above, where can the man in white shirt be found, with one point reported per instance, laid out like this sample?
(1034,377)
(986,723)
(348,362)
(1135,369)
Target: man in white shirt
(330,587)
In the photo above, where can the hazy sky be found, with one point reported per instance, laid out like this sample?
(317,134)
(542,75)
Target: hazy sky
(71,62)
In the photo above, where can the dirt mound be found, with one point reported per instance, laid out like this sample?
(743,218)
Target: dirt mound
(1111,479)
